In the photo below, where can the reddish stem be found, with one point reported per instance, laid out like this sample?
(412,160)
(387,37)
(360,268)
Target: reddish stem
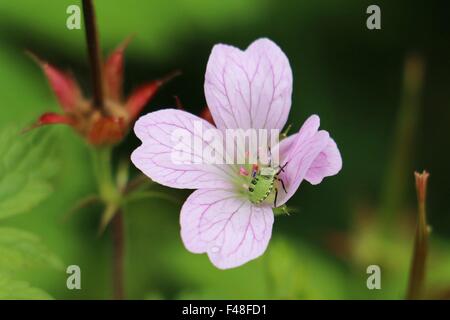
(418,264)
(95,62)
(94,52)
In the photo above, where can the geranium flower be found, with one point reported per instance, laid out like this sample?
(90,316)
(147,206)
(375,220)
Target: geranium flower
(244,89)
(98,127)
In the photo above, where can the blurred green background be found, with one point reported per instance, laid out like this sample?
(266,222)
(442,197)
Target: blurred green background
(351,76)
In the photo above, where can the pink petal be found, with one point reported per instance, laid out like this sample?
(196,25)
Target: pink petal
(310,154)
(155,157)
(249,89)
(231,230)
(328,163)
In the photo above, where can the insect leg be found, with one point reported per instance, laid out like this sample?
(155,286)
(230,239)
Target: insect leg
(254,170)
(270,156)
(282,167)
(275,200)
(282,184)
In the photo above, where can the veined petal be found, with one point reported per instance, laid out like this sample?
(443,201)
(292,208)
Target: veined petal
(308,129)
(327,163)
(63,85)
(174,151)
(249,89)
(231,230)
(310,154)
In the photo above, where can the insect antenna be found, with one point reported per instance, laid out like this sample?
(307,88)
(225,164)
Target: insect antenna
(282,167)
(275,200)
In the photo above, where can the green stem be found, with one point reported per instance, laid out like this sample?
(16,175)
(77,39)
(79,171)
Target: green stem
(103,172)
(112,198)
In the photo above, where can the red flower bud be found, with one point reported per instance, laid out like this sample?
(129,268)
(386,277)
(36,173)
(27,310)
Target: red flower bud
(55,118)
(105,126)
(113,72)
(62,83)
(140,96)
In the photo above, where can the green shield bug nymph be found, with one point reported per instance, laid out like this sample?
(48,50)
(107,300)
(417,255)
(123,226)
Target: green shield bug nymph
(263,183)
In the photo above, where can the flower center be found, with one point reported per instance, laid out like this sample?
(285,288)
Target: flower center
(257,183)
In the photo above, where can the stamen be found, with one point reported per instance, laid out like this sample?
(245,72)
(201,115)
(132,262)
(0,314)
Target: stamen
(243,171)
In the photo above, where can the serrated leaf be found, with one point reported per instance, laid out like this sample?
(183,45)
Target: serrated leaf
(20,250)
(11,289)
(26,165)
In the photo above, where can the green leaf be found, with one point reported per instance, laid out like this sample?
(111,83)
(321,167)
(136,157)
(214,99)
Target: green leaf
(21,250)
(26,165)
(11,289)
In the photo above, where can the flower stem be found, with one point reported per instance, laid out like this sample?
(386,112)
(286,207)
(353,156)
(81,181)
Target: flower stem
(418,265)
(103,172)
(119,254)
(94,52)
(112,199)
(109,192)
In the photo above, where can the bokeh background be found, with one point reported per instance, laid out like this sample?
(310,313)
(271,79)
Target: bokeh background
(387,119)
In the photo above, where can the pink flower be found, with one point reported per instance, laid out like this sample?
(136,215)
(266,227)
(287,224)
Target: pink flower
(243,89)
